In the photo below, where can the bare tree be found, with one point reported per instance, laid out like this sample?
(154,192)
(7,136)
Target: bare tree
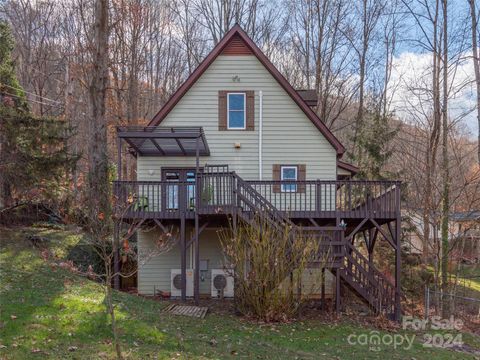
(476,63)
(325,59)
(98,177)
(99,237)
(40,66)
(369,11)
(445,159)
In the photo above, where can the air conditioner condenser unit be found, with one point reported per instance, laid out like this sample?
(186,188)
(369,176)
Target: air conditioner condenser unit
(176,282)
(222,283)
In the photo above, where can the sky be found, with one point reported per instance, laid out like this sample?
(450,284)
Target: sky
(412,71)
(413,65)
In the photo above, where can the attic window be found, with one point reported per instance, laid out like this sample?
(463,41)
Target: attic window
(236,111)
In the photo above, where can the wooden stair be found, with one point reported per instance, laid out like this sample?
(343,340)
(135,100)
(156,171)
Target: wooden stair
(354,269)
(368,282)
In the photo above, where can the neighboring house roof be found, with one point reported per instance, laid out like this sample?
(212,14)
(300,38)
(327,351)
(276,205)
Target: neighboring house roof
(236,41)
(465,216)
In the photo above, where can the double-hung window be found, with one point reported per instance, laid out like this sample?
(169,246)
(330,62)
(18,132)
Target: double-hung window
(236,112)
(289,173)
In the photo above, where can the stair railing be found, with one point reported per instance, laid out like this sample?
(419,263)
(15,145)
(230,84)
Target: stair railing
(369,281)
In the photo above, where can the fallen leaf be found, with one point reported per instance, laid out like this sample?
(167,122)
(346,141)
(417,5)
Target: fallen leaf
(213,341)
(13,317)
(72,348)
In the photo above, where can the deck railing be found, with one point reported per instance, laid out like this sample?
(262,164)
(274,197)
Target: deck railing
(154,199)
(355,198)
(219,191)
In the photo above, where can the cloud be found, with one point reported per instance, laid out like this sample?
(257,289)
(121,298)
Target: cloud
(410,89)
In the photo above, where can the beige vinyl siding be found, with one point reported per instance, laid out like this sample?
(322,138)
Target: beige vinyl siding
(211,250)
(154,271)
(289,137)
(312,283)
(154,274)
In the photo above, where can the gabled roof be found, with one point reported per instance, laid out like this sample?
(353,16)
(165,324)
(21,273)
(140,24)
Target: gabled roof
(235,34)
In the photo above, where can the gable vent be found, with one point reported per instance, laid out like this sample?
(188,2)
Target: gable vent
(236,46)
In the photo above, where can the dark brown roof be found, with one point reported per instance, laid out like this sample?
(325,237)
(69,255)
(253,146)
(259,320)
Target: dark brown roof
(309,96)
(236,33)
(346,166)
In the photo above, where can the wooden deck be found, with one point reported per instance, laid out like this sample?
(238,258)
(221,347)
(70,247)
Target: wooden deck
(334,212)
(223,193)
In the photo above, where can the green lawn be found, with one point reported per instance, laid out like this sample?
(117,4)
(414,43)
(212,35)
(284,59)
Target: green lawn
(48,312)
(472,275)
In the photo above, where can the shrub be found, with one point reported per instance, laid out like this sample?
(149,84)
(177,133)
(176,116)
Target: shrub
(267,264)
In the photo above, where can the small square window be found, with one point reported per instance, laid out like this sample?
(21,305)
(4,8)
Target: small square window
(289,173)
(236,111)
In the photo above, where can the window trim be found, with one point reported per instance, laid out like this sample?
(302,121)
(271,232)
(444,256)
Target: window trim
(282,187)
(244,111)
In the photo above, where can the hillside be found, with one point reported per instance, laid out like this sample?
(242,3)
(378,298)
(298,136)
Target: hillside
(48,312)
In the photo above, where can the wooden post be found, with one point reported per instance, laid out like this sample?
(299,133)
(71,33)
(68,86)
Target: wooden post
(323,288)
(337,292)
(119,159)
(398,260)
(196,279)
(398,265)
(183,256)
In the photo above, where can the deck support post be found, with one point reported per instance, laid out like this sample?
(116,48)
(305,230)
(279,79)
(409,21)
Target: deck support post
(323,289)
(196,280)
(398,264)
(337,292)
(183,257)
(119,159)
(116,255)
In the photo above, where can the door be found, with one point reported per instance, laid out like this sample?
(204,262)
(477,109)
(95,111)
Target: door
(181,189)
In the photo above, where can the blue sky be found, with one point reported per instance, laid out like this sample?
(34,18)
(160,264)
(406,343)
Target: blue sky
(412,67)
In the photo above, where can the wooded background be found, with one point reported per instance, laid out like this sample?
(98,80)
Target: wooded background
(96,64)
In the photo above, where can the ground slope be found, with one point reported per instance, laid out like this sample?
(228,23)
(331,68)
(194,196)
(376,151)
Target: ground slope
(48,312)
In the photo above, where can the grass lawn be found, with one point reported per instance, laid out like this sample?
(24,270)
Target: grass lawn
(48,312)
(471,274)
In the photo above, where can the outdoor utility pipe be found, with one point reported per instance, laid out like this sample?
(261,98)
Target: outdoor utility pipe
(260,130)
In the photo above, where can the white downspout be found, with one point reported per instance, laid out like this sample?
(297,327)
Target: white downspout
(260,130)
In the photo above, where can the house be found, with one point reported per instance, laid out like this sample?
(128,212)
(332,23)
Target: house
(463,233)
(236,139)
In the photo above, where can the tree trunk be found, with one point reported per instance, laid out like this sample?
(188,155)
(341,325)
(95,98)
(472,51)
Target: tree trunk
(363,57)
(445,165)
(111,312)
(476,64)
(98,157)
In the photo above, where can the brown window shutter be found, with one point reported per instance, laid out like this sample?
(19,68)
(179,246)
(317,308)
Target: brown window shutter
(222,110)
(250,116)
(302,176)
(276,176)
